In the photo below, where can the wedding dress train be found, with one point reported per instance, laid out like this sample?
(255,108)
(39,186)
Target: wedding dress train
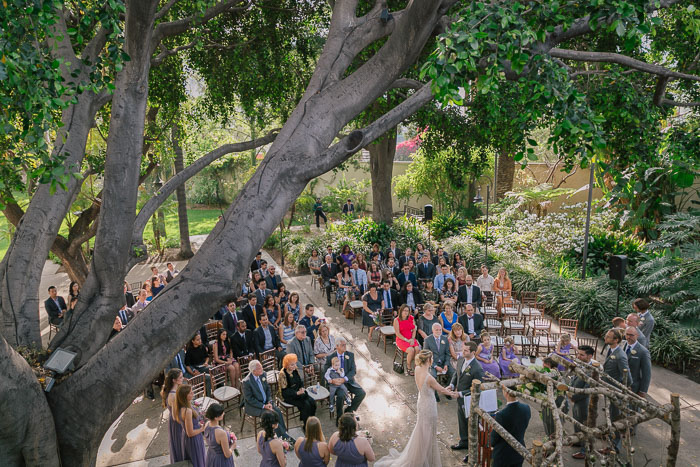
(422,449)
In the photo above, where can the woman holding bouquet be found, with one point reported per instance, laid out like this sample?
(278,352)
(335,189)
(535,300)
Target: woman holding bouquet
(269,447)
(219,440)
(192,439)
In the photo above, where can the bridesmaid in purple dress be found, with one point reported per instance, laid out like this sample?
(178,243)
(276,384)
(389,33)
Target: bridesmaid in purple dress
(352,450)
(507,357)
(270,448)
(192,439)
(219,440)
(311,449)
(484,353)
(563,349)
(173,379)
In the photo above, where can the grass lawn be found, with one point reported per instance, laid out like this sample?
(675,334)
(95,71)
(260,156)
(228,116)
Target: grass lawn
(201,222)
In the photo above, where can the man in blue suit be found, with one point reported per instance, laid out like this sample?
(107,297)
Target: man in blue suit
(514,417)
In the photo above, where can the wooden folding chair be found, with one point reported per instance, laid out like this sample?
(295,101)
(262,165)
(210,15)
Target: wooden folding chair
(493,326)
(540,326)
(386,328)
(219,390)
(213,329)
(569,326)
(199,392)
(591,341)
(290,412)
(528,298)
(269,363)
(246,416)
(513,325)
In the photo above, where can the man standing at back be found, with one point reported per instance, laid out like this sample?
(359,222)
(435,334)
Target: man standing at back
(349,208)
(514,417)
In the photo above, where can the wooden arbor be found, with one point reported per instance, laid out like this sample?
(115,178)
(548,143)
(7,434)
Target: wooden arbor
(633,408)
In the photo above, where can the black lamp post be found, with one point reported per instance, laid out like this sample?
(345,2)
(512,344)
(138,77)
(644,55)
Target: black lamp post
(588,227)
(479,199)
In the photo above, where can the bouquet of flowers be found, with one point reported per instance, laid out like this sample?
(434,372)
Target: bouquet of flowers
(233,439)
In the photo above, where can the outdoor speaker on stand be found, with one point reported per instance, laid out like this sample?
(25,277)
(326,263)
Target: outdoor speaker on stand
(618,269)
(427,217)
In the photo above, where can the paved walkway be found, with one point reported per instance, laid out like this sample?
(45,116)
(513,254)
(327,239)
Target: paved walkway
(139,436)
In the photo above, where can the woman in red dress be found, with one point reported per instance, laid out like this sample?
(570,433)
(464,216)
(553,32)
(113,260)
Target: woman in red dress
(405,330)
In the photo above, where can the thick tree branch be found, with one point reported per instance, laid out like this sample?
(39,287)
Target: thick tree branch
(610,57)
(673,103)
(660,91)
(95,46)
(169,187)
(174,28)
(406,83)
(61,47)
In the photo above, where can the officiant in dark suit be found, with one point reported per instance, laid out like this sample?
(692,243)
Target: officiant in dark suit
(468,369)
(514,417)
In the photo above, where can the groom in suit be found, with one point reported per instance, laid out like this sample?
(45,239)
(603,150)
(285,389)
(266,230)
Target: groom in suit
(468,369)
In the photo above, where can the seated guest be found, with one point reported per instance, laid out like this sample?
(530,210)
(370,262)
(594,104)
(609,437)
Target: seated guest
(154,272)
(376,251)
(473,324)
(347,363)
(196,356)
(324,343)
(407,256)
(272,310)
(314,262)
(351,449)
(257,262)
(407,276)
(420,251)
(461,276)
(287,328)
(374,273)
(469,293)
(147,287)
(258,397)
(329,274)
(564,348)
(273,279)
(55,307)
(292,305)
(282,294)
(266,338)
(346,286)
(335,372)
(129,295)
(484,354)
(156,285)
(262,291)
(170,273)
(391,267)
(255,281)
(457,262)
(392,281)
(140,303)
(230,319)
(440,278)
(405,329)
(347,254)
(243,341)
(392,251)
(430,294)
(263,269)
(503,288)
(411,296)
(252,312)
(426,269)
(425,323)
(125,315)
(440,255)
(292,387)
(116,327)
(514,417)
(178,362)
(507,357)
(359,277)
(310,322)
(485,281)
(646,320)
(373,304)
(448,317)
(300,346)
(449,292)
(223,355)
(362,264)
(456,338)
(437,343)
(74,291)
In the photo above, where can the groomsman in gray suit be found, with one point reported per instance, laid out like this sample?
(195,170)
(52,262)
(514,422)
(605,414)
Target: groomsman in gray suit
(639,362)
(646,320)
(468,369)
(633,322)
(616,367)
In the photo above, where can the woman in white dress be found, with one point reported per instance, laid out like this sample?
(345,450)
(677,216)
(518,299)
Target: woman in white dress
(422,449)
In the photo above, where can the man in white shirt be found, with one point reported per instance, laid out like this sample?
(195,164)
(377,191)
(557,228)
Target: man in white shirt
(485,280)
(141,302)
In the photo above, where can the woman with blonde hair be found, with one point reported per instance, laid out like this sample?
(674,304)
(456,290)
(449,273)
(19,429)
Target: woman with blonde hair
(422,449)
(456,338)
(502,286)
(293,390)
(312,449)
(193,441)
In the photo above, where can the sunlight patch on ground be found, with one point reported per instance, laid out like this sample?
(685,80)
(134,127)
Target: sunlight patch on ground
(380,406)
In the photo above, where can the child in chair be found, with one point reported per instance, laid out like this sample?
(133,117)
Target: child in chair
(335,371)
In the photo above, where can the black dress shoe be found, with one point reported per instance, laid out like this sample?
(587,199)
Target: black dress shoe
(465,460)
(449,398)
(459,447)
(437,398)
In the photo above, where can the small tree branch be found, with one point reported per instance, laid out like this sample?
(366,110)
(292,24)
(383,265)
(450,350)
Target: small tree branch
(61,47)
(673,103)
(152,205)
(660,91)
(165,52)
(610,57)
(406,83)
(164,11)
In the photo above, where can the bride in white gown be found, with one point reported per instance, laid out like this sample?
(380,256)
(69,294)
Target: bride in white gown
(422,449)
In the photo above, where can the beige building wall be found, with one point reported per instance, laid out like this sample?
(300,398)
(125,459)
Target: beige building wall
(533,174)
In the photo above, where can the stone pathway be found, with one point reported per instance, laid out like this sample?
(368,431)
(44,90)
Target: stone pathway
(139,436)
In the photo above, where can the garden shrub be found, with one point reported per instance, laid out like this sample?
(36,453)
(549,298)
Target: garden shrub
(603,244)
(472,252)
(447,225)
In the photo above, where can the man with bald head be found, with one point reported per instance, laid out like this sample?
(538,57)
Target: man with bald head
(633,321)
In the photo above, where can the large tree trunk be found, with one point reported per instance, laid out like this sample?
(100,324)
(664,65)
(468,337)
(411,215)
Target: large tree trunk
(504,174)
(381,163)
(183,223)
